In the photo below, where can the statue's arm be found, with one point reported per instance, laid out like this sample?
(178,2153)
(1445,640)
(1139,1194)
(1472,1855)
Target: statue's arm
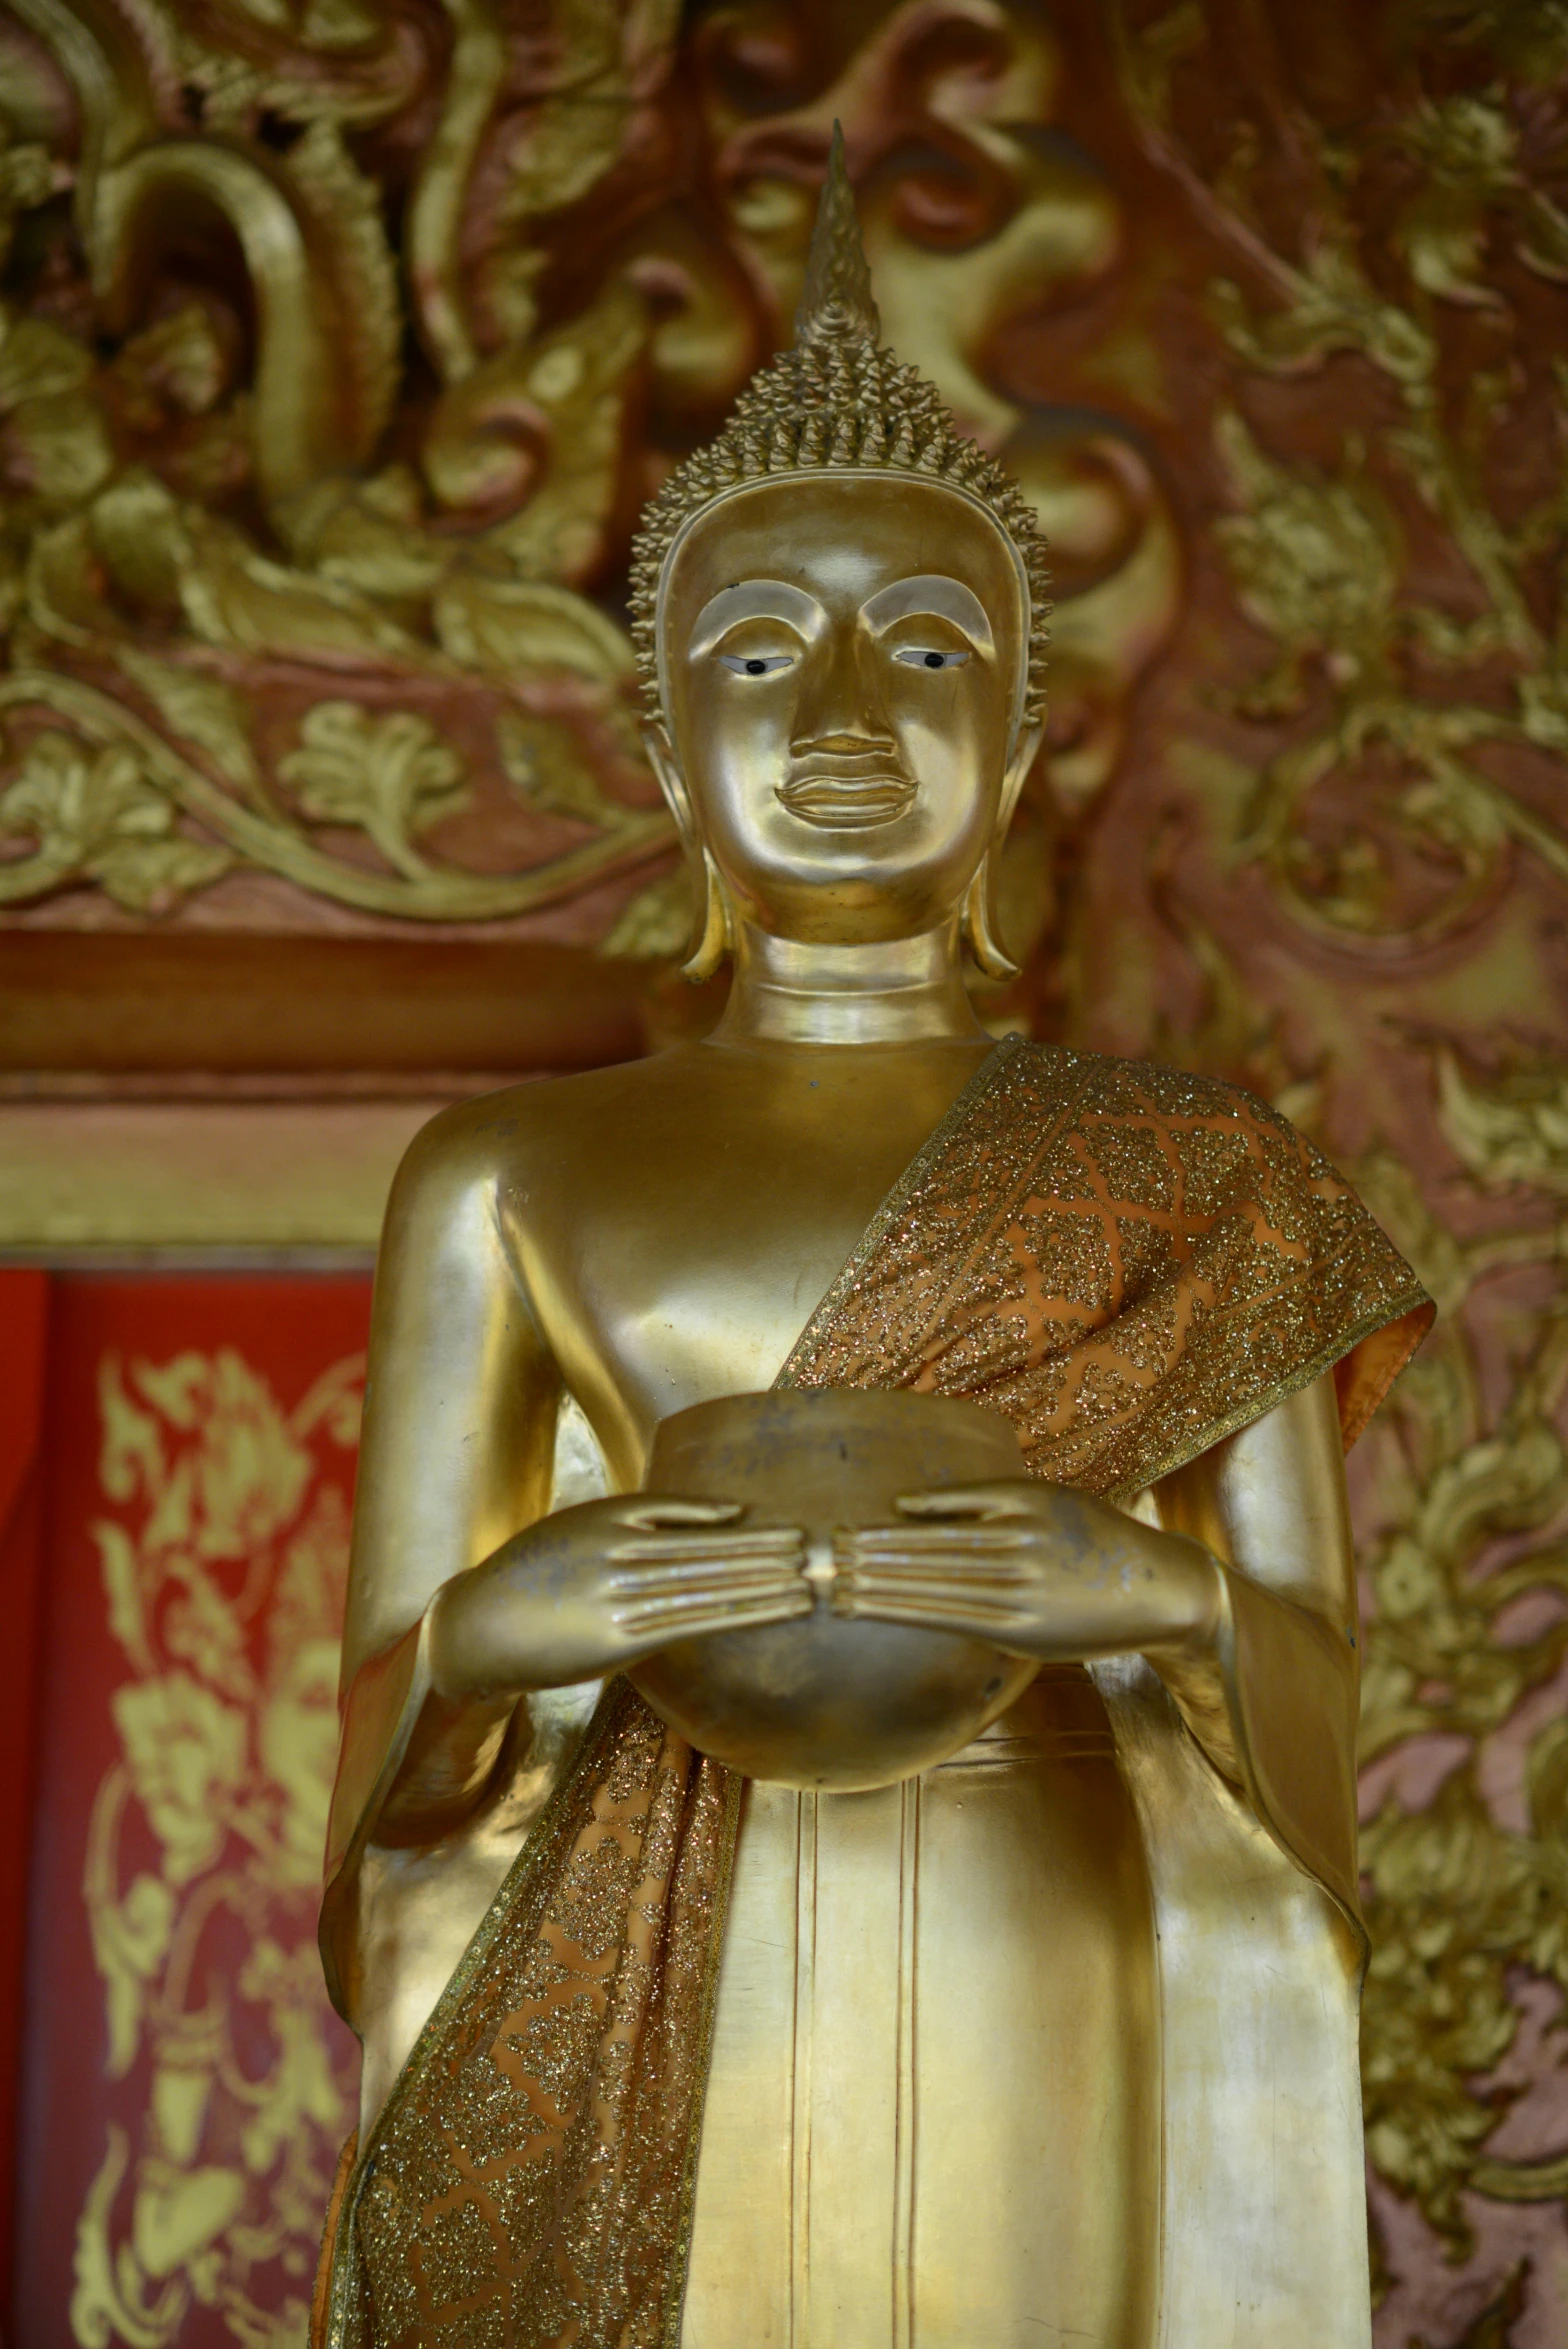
(1272,1694)
(456,1456)
(468,1598)
(461,1394)
(470,1601)
(1271,1501)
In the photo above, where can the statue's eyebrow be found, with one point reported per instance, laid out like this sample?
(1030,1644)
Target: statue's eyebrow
(930,592)
(755,599)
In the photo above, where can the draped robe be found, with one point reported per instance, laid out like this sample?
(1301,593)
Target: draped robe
(1129,1264)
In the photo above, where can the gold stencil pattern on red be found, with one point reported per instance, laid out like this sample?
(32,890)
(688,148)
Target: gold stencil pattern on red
(223,1540)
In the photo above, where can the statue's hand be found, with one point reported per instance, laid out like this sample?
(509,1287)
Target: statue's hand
(587,1591)
(1034,1568)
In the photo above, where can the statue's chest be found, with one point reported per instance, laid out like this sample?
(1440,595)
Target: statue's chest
(676,1239)
(690,1268)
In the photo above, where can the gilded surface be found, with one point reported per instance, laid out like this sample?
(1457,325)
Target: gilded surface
(1297,275)
(532,2170)
(836,397)
(224,1545)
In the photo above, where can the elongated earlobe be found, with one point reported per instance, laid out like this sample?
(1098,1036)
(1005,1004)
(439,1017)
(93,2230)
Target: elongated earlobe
(1025,751)
(978,930)
(714,936)
(978,923)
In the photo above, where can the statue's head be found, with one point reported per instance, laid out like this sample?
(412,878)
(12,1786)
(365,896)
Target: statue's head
(840,611)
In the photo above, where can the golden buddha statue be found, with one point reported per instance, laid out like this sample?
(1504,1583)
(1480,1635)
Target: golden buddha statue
(1052,2039)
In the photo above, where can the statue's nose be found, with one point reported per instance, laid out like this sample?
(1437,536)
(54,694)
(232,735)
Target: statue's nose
(837,711)
(845,745)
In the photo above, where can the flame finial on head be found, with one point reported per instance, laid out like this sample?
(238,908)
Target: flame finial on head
(836,302)
(835,401)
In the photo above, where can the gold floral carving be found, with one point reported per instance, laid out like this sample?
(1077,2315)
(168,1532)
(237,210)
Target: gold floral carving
(1358,874)
(1321,562)
(223,1551)
(343,346)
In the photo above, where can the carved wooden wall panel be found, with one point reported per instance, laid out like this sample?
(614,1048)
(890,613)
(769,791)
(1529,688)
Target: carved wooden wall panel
(342,343)
(347,342)
(1332,865)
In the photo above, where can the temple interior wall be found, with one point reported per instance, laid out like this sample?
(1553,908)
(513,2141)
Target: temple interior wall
(341,345)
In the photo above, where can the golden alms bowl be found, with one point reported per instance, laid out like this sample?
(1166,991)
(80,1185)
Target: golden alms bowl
(827,1701)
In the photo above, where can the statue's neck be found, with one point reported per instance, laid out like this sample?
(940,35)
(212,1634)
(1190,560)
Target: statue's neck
(898,991)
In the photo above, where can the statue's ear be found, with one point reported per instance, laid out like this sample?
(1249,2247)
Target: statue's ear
(977,925)
(662,759)
(1025,749)
(715,932)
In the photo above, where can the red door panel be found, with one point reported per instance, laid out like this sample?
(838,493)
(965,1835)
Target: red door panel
(184,2086)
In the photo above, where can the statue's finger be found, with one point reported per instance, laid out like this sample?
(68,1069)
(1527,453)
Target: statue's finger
(937,1584)
(960,1501)
(1000,1533)
(936,1542)
(644,1583)
(653,1549)
(651,1510)
(676,1619)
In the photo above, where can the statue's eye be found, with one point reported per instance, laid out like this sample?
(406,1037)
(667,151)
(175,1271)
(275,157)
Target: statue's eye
(757,664)
(918,656)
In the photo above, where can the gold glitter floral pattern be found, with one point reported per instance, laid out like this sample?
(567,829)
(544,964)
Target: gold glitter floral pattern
(531,2176)
(1125,1261)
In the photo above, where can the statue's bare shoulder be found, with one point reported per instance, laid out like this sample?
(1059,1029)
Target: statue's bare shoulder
(531,1131)
(527,1142)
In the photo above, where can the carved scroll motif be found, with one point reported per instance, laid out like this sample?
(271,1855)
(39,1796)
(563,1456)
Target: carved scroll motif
(343,345)
(1350,861)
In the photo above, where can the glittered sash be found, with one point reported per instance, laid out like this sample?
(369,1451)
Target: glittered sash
(1126,1263)
(530,2178)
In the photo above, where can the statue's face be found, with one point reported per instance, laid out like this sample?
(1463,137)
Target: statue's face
(843,662)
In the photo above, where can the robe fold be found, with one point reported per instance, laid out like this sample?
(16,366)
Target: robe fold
(1129,1264)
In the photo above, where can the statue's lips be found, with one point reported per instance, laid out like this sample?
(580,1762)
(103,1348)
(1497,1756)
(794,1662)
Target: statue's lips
(837,801)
